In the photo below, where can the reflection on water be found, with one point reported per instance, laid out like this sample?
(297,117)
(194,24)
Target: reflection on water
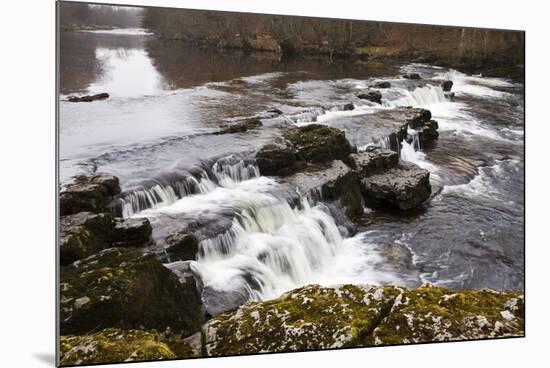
(129,73)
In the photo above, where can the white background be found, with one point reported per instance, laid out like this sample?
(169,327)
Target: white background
(27,141)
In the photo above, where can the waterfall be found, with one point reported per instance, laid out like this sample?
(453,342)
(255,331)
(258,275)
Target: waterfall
(162,194)
(421,96)
(411,152)
(279,248)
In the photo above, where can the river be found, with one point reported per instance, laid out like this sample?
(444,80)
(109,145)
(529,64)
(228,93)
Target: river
(165,99)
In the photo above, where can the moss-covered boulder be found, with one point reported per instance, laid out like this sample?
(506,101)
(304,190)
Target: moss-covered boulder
(438,314)
(309,318)
(88,193)
(83,234)
(277,158)
(113,346)
(315,317)
(317,143)
(126,288)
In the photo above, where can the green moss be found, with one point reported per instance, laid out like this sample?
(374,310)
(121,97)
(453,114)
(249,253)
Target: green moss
(438,314)
(318,143)
(123,287)
(309,318)
(315,317)
(113,345)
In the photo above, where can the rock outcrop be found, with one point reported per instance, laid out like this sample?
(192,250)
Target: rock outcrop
(373,161)
(82,235)
(89,98)
(310,144)
(382,85)
(447,85)
(241,127)
(115,345)
(373,96)
(182,246)
(278,158)
(404,187)
(333,182)
(317,143)
(88,193)
(316,317)
(412,76)
(126,288)
(131,232)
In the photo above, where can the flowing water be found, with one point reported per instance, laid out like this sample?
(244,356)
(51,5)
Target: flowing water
(257,233)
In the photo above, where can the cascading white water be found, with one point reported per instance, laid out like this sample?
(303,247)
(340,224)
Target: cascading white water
(165,194)
(411,152)
(280,248)
(421,96)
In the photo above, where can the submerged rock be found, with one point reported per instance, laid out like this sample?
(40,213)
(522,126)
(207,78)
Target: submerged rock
(82,235)
(315,317)
(317,143)
(88,193)
(89,98)
(373,96)
(242,126)
(131,232)
(447,86)
(382,85)
(404,188)
(411,76)
(126,288)
(348,107)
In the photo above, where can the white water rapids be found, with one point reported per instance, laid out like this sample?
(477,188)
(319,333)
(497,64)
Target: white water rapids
(272,247)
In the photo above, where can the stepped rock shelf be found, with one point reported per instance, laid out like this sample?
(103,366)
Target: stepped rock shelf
(121,283)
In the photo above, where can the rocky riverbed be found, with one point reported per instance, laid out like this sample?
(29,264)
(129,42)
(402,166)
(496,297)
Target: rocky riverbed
(337,206)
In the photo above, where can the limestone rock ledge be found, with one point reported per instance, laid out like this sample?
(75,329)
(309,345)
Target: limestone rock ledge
(316,317)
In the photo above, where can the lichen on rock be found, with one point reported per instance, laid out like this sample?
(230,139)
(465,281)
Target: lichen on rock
(126,288)
(113,345)
(312,317)
(315,317)
(437,314)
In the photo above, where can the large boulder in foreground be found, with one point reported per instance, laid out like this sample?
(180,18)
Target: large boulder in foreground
(126,288)
(83,234)
(315,317)
(317,143)
(88,193)
(114,345)
(404,187)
